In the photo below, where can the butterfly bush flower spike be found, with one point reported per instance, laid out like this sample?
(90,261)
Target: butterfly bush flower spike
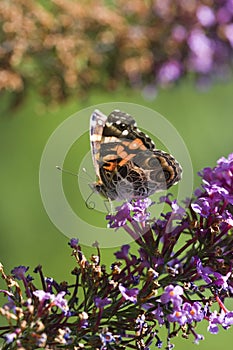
(177,276)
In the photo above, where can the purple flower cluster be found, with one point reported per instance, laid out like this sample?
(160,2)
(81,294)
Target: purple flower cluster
(181,276)
(196,39)
(145,44)
(215,199)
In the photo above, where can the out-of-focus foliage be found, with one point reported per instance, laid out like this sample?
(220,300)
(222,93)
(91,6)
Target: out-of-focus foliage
(70,46)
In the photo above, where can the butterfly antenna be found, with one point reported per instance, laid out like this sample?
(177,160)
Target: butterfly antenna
(90,204)
(66,171)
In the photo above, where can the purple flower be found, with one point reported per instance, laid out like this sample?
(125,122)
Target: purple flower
(205,15)
(129,294)
(228,319)
(121,217)
(57,300)
(216,197)
(101,303)
(73,243)
(204,272)
(194,312)
(43,296)
(139,208)
(202,207)
(19,272)
(10,337)
(123,253)
(172,293)
(221,281)
(157,314)
(169,72)
(224,318)
(60,302)
(106,338)
(214,321)
(178,316)
(177,211)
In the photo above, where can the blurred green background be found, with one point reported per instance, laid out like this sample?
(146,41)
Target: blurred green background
(203,119)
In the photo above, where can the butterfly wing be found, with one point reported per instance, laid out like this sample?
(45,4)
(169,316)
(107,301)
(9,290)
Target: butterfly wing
(126,162)
(97,123)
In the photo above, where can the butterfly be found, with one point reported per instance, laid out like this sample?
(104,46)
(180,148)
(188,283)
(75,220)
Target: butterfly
(127,164)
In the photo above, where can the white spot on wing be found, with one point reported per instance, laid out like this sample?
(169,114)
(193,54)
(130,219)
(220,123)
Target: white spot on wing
(125,132)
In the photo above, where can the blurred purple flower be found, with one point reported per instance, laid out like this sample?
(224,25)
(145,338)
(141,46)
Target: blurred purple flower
(179,33)
(205,15)
(10,337)
(229,6)
(169,72)
(201,59)
(223,15)
(229,33)
(19,272)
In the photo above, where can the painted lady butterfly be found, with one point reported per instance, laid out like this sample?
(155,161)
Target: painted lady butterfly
(127,164)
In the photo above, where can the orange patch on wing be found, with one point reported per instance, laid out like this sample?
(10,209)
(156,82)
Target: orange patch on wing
(111,166)
(137,144)
(126,159)
(133,145)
